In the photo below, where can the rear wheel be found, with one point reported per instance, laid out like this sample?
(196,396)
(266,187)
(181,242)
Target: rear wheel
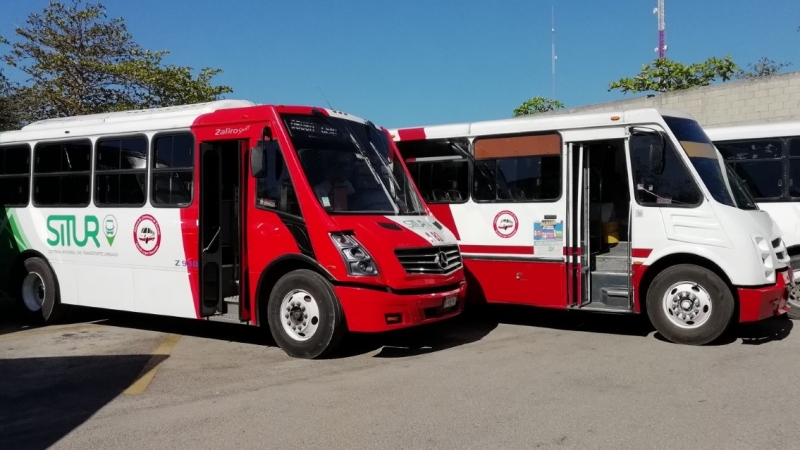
(38,292)
(304,315)
(690,304)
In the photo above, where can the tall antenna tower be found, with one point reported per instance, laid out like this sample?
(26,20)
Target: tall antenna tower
(662,41)
(553,47)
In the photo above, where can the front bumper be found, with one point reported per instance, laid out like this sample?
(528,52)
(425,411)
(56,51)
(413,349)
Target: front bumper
(369,310)
(761,303)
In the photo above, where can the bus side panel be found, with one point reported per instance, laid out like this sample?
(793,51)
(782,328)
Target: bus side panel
(127,259)
(520,282)
(497,241)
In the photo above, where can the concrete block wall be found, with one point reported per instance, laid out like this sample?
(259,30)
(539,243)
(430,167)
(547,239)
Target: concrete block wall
(765,99)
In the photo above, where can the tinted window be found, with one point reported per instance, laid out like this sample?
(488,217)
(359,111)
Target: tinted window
(671,186)
(61,173)
(274,187)
(15,168)
(517,168)
(442,181)
(763,179)
(63,157)
(172,170)
(121,171)
(703,156)
(751,150)
(794,147)
(528,178)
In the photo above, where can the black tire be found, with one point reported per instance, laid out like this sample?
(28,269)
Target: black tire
(722,305)
(51,310)
(794,294)
(331,326)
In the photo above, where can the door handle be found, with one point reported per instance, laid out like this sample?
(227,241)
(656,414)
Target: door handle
(212,239)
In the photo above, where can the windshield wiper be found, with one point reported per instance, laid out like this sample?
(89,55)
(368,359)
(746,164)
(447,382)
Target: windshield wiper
(370,127)
(392,197)
(481,167)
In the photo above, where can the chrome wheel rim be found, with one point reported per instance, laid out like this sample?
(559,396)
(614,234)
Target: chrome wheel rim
(299,315)
(687,305)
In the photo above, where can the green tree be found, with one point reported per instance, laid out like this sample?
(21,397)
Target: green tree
(9,118)
(763,68)
(537,105)
(664,75)
(77,61)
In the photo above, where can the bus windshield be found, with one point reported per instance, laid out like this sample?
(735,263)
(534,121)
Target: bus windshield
(709,165)
(351,166)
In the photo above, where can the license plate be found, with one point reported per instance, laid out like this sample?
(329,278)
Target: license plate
(449,302)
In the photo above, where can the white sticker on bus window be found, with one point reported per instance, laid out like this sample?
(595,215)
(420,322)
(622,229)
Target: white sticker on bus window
(325,202)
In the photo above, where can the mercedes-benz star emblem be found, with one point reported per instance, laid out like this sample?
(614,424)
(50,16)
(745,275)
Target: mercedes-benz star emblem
(441,259)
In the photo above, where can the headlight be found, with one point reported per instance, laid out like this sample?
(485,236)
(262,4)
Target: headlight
(765,254)
(356,258)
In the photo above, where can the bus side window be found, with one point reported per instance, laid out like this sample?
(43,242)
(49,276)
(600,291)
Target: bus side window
(670,186)
(120,171)
(62,173)
(15,171)
(442,181)
(172,170)
(274,187)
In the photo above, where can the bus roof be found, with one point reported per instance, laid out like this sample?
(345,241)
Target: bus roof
(754,131)
(533,123)
(136,121)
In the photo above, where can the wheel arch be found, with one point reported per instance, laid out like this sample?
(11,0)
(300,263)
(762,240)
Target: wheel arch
(682,258)
(277,269)
(17,271)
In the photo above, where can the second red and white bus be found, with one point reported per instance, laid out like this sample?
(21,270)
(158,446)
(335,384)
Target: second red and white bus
(299,218)
(766,156)
(625,212)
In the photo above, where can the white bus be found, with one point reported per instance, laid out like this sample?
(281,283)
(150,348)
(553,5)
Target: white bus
(624,212)
(767,157)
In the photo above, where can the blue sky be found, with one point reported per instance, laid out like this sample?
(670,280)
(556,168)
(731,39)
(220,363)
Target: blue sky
(415,62)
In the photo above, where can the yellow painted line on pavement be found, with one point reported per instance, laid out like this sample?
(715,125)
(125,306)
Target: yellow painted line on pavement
(151,368)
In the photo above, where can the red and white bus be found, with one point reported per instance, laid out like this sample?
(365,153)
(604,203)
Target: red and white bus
(299,218)
(621,212)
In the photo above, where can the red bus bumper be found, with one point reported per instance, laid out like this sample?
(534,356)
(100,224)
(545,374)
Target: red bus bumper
(369,310)
(761,303)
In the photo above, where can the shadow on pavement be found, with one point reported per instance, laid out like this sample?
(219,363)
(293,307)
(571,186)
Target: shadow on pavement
(43,399)
(420,340)
(753,333)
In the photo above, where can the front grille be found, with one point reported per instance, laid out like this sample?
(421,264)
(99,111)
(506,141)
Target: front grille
(430,260)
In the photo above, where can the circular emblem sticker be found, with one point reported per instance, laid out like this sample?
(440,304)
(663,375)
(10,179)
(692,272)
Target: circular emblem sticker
(147,235)
(110,229)
(505,224)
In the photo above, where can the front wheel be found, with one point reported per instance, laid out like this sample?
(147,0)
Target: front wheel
(304,315)
(690,304)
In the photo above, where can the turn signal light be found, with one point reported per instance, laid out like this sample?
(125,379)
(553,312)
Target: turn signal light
(394,318)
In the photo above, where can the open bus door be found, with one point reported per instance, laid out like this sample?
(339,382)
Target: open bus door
(223,256)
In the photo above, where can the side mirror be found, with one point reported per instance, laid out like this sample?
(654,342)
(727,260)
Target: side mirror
(656,157)
(656,143)
(257,160)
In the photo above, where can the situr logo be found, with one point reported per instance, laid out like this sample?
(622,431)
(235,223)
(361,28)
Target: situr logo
(227,131)
(67,231)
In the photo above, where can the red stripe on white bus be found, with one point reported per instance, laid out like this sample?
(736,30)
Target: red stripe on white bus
(411,134)
(498,249)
